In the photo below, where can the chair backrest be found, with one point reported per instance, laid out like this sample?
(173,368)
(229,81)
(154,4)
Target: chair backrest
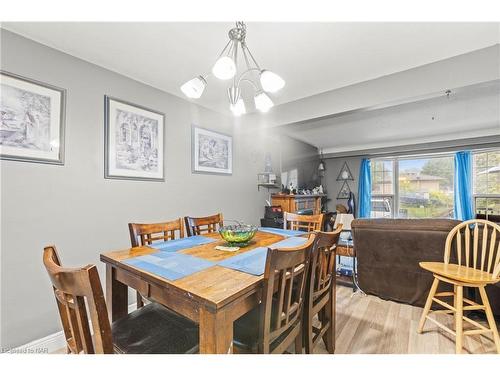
(145,234)
(308,223)
(322,265)
(283,292)
(200,225)
(76,290)
(476,244)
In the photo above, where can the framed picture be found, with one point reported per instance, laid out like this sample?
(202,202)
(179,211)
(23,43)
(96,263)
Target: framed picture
(32,120)
(212,152)
(133,141)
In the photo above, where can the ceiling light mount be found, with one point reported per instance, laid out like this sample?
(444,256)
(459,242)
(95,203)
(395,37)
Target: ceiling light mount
(226,68)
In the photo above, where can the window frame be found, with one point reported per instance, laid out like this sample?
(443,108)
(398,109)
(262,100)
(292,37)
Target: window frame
(393,195)
(475,196)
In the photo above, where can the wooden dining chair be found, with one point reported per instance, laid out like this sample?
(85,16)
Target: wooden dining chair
(150,329)
(146,234)
(321,292)
(200,225)
(307,223)
(277,323)
(475,246)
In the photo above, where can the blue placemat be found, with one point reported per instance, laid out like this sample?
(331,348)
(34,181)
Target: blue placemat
(282,232)
(182,243)
(289,242)
(171,266)
(252,262)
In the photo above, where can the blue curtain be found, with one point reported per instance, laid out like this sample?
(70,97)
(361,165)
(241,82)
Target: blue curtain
(365,189)
(463,186)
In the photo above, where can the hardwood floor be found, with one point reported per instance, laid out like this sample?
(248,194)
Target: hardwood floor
(370,325)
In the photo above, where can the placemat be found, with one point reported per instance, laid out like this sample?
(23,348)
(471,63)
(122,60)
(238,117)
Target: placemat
(169,265)
(282,232)
(289,242)
(182,243)
(252,262)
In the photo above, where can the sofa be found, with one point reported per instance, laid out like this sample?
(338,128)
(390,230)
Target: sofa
(388,252)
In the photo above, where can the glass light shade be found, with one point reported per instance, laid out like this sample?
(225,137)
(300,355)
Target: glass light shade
(271,82)
(238,109)
(224,68)
(194,88)
(321,166)
(263,102)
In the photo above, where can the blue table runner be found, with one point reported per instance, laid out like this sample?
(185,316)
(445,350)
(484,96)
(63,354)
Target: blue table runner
(182,243)
(289,242)
(252,262)
(282,232)
(169,265)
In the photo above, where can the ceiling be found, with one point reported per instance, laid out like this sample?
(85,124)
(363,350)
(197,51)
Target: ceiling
(311,57)
(468,112)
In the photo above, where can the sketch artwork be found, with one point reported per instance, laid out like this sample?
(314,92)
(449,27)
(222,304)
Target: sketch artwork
(30,124)
(135,141)
(212,152)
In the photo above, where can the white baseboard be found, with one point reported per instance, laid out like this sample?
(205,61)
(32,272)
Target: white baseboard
(49,344)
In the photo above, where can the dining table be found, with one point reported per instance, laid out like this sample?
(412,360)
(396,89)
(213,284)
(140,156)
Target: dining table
(205,287)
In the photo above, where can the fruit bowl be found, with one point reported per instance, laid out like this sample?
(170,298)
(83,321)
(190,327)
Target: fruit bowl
(238,235)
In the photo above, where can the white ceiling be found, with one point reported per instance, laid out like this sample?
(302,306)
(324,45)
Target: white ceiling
(311,57)
(469,113)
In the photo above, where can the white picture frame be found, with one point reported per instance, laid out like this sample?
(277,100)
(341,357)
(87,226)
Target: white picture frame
(32,120)
(134,141)
(211,152)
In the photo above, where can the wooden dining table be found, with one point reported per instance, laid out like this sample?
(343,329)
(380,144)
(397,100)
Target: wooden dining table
(214,297)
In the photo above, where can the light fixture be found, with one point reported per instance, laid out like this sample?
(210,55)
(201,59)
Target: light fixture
(226,67)
(194,88)
(263,102)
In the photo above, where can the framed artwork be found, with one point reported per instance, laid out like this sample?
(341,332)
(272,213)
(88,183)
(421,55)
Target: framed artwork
(32,120)
(212,152)
(134,144)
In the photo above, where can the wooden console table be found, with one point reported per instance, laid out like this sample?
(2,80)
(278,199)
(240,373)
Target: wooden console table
(293,203)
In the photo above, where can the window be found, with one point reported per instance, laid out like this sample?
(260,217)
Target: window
(426,187)
(382,172)
(486,182)
(412,187)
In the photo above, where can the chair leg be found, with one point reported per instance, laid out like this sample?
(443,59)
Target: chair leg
(459,319)
(489,316)
(140,302)
(428,305)
(308,333)
(298,343)
(329,336)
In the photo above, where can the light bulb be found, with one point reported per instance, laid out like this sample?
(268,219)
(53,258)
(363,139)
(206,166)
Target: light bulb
(194,88)
(224,68)
(271,82)
(238,109)
(263,102)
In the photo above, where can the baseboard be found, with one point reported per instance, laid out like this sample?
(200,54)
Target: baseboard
(49,344)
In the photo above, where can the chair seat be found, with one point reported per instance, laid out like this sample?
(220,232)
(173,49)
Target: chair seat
(153,329)
(246,332)
(459,273)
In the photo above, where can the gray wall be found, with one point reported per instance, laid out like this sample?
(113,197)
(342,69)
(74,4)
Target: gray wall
(301,156)
(74,207)
(333,167)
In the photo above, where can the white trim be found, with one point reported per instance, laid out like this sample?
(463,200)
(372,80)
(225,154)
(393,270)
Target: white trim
(49,344)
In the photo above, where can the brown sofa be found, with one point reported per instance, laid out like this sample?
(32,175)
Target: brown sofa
(389,250)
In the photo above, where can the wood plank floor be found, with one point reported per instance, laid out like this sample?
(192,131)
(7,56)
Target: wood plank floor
(370,325)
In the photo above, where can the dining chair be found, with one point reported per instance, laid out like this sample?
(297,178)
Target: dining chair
(321,292)
(150,329)
(307,223)
(277,323)
(475,246)
(200,225)
(146,234)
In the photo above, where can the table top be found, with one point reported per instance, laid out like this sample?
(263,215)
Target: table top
(215,286)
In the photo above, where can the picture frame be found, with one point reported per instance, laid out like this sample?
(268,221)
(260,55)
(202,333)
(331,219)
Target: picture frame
(32,123)
(133,141)
(211,151)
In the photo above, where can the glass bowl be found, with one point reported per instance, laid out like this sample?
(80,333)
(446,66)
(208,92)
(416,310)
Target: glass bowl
(238,235)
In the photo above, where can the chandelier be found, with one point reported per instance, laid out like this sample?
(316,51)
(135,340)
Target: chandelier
(226,67)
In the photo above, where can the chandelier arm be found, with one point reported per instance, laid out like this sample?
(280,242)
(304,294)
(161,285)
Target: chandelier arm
(245,55)
(252,83)
(253,59)
(223,50)
(245,72)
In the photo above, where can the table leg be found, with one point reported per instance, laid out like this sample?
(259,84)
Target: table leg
(216,332)
(116,295)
